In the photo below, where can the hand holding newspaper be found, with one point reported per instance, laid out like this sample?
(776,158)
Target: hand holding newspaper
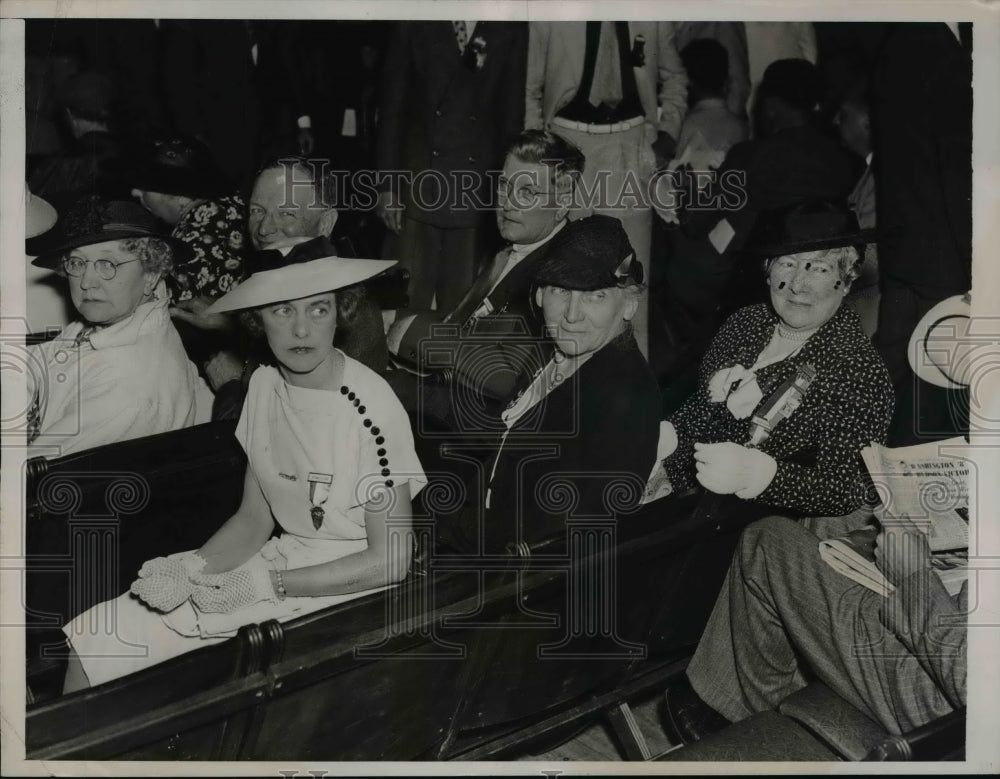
(927,485)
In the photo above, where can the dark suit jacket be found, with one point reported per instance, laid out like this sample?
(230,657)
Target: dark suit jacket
(436,114)
(593,434)
(507,341)
(794,165)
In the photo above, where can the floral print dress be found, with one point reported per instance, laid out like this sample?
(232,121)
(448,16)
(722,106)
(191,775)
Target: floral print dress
(215,231)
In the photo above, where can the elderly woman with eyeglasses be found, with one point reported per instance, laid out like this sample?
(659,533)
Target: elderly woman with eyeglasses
(119,371)
(790,391)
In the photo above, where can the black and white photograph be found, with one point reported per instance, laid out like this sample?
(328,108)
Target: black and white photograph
(555,390)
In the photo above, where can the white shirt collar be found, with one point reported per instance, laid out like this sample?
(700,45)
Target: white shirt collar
(524,249)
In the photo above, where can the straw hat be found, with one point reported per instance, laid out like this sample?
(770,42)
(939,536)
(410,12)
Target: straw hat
(294,272)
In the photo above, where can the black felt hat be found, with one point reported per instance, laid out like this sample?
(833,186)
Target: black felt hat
(806,227)
(93,219)
(590,253)
(179,166)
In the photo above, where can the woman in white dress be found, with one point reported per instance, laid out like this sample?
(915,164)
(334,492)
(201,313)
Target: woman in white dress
(330,461)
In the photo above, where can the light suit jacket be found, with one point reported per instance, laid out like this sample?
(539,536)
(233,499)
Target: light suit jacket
(555,67)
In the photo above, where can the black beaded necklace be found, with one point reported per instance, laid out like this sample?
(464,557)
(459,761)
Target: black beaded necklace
(373,429)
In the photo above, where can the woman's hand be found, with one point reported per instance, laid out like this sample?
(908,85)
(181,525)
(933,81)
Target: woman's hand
(226,592)
(729,468)
(389,212)
(164,583)
(193,312)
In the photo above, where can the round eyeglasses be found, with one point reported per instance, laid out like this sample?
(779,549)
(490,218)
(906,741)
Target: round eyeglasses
(107,270)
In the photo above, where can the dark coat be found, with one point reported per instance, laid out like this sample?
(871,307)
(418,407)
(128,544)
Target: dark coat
(922,125)
(794,165)
(438,114)
(593,437)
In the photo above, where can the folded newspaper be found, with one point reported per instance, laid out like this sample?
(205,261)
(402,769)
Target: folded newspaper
(927,484)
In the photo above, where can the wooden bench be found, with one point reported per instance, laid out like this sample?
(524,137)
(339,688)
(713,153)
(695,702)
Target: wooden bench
(461,661)
(94,517)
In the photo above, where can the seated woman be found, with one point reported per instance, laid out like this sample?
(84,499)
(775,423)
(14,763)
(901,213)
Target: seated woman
(331,462)
(789,392)
(119,371)
(580,438)
(179,183)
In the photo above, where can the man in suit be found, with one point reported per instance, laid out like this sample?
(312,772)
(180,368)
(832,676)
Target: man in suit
(618,91)
(239,86)
(291,198)
(535,191)
(452,97)
(922,126)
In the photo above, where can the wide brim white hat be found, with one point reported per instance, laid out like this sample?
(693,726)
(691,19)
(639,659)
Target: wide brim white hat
(39,215)
(291,273)
(940,321)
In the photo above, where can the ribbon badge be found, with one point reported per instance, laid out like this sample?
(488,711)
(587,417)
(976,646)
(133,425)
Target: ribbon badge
(319,491)
(781,404)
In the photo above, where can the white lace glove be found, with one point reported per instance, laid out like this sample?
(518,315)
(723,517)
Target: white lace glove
(729,468)
(164,583)
(226,592)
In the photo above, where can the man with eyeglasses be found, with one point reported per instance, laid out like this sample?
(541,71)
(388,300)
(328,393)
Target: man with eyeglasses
(120,371)
(497,320)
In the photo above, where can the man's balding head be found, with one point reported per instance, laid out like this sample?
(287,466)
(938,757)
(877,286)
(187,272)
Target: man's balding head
(289,200)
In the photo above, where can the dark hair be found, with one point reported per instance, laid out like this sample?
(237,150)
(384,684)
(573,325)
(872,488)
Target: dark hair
(707,64)
(346,300)
(795,81)
(542,147)
(315,171)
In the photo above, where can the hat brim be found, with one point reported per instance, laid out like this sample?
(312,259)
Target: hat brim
(816,244)
(175,182)
(916,351)
(51,255)
(40,217)
(299,280)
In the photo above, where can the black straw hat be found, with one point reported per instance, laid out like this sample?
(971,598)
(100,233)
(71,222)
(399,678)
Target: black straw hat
(590,253)
(93,219)
(806,227)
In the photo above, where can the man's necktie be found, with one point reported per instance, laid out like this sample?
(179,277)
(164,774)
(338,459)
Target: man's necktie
(607,84)
(461,35)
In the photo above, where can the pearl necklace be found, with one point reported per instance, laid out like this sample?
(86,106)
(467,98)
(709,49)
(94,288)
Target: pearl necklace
(794,335)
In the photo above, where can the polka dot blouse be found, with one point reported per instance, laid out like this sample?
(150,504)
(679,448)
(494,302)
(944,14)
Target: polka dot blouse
(818,447)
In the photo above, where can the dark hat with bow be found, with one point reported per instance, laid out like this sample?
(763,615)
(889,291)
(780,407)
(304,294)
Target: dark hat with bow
(309,267)
(590,253)
(93,219)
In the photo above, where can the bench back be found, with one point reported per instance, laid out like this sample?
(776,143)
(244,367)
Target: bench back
(92,518)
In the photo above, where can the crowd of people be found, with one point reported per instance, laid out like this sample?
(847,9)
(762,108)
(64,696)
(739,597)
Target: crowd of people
(640,259)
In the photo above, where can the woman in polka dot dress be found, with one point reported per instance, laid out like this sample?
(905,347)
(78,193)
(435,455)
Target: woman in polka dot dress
(331,462)
(807,460)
